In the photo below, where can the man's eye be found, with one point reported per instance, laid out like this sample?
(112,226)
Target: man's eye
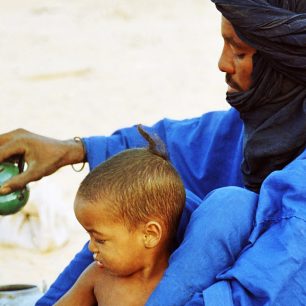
(240,55)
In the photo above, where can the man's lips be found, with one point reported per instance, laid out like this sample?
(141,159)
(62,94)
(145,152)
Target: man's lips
(230,89)
(232,85)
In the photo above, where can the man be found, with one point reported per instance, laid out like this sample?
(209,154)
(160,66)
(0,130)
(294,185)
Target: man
(263,262)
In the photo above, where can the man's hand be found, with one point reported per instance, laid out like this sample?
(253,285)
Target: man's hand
(42,155)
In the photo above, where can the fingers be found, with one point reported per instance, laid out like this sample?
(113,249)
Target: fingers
(19,181)
(10,149)
(6,137)
(41,154)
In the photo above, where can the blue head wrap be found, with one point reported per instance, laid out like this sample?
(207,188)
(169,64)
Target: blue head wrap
(274,109)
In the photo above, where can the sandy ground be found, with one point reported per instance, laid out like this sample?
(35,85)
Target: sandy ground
(89,67)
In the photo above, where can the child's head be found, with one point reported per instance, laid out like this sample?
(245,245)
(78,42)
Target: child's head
(136,190)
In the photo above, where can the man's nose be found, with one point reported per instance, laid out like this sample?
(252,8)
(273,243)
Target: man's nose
(226,63)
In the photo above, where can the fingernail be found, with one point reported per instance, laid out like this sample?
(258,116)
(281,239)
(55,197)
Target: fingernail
(5,189)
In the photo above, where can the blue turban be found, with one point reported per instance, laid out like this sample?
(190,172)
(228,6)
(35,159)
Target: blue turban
(274,108)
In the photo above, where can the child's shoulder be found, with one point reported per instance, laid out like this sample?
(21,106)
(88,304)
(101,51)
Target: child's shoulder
(100,279)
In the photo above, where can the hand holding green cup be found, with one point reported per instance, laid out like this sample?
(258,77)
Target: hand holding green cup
(12,202)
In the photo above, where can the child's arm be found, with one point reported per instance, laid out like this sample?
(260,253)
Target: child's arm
(82,292)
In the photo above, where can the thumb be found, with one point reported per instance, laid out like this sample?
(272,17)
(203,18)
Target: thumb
(17,182)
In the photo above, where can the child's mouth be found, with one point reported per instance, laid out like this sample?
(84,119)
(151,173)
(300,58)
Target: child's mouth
(99,264)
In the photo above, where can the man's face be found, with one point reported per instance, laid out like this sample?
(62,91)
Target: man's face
(116,249)
(236,59)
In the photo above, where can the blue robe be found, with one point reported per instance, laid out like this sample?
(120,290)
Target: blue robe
(237,247)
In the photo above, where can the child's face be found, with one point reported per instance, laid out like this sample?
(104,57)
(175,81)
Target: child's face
(116,249)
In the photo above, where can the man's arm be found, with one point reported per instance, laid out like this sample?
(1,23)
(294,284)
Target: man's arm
(82,292)
(202,150)
(206,151)
(272,269)
(271,272)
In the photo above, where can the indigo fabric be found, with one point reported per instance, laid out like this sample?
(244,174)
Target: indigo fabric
(217,232)
(272,269)
(274,109)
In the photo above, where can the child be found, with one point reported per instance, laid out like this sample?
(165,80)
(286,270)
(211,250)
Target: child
(130,206)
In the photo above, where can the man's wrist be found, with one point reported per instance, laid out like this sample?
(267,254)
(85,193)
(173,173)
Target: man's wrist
(75,151)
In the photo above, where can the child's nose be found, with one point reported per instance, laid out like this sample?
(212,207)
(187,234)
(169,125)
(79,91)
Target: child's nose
(92,247)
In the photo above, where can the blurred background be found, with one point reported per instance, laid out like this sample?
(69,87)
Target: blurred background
(81,68)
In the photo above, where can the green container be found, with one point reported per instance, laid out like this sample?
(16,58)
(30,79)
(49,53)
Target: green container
(12,202)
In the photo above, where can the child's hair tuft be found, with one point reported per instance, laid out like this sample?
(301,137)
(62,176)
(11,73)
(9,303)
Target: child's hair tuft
(156,146)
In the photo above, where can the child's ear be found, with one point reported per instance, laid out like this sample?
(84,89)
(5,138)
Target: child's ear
(152,234)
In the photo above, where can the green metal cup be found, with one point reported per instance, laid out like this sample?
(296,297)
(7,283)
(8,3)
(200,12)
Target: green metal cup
(12,202)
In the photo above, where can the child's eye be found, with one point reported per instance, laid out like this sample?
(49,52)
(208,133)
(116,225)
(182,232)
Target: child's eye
(100,241)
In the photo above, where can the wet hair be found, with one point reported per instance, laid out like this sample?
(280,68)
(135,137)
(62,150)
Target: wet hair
(138,185)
